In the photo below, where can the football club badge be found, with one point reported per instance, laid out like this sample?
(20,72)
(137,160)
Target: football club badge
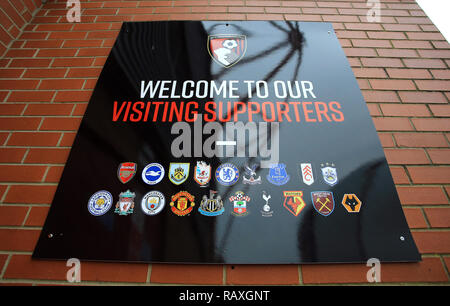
(239,201)
(323,202)
(293,201)
(329,174)
(250,175)
(227,174)
(266,210)
(278,175)
(100,202)
(153,202)
(125,205)
(351,203)
(153,174)
(178,172)
(307,174)
(227,49)
(126,172)
(211,206)
(182,203)
(202,173)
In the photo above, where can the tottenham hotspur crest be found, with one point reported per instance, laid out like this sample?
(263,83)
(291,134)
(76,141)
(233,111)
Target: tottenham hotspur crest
(227,49)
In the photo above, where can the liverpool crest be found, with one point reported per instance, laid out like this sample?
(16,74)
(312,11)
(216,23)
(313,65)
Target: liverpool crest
(323,202)
(178,172)
(278,175)
(125,205)
(250,175)
(293,201)
(126,172)
(227,49)
(211,206)
(239,201)
(202,173)
(182,203)
(329,174)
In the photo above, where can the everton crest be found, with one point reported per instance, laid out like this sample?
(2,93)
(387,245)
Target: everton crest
(329,174)
(202,173)
(126,172)
(239,201)
(125,205)
(227,49)
(293,202)
(182,203)
(178,172)
(250,175)
(211,206)
(278,175)
(323,202)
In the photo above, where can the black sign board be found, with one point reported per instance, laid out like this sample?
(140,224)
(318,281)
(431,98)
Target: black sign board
(215,142)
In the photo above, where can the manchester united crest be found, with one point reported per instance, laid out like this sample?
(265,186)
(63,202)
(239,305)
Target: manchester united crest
(323,202)
(240,201)
(182,203)
(293,202)
(125,205)
(126,172)
(227,49)
(202,173)
(178,172)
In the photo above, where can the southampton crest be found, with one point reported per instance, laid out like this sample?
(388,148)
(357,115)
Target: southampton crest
(227,49)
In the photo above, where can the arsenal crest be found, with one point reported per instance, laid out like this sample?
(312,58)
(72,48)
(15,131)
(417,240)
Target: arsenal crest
(293,201)
(182,203)
(278,175)
(178,172)
(202,173)
(210,206)
(306,173)
(126,172)
(323,202)
(125,205)
(329,174)
(239,201)
(227,49)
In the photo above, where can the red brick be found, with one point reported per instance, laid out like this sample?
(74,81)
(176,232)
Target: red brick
(67,139)
(54,174)
(18,84)
(23,267)
(262,274)
(20,52)
(30,62)
(399,175)
(45,73)
(406,156)
(437,85)
(62,84)
(380,96)
(60,124)
(420,140)
(20,173)
(48,109)
(438,217)
(18,239)
(439,156)
(187,274)
(368,72)
(411,44)
(392,84)
(382,62)
(432,242)
(11,109)
(19,123)
(47,156)
(56,52)
(415,218)
(114,272)
(386,140)
(409,110)
(422,97)
(37,216)
(3,258)
(371,43)
(12,215)
(386,35)
(392,124)
(441,74)
(12,155)
(421,195)
(424,63)
(34,139)
(429,175)
(431,124)
(73,96)
(31,96)
(72,62)
(408,73)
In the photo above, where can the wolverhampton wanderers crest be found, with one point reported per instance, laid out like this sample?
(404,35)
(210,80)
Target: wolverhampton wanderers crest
(178,172)
(125,205)
(323,202)
(182,203)
(227,49)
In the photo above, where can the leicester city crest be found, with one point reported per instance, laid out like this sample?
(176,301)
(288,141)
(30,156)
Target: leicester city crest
(178,172)
(329,174)
(227,49)
(278,175)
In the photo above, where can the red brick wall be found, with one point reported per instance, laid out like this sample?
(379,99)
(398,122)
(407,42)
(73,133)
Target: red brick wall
(51,66)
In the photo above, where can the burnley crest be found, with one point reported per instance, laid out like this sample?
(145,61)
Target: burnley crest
(227,49)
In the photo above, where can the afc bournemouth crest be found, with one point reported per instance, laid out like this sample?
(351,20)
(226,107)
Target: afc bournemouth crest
(126,172)
(100,202)
(125,205)
(266,211)
(351,203)
(211,206)
(293,201)
(178,172)
(323,202)
(227,49)
(227,174)
(278,175)
(306,173)
(329,174)
(202,173)
(182,203)
(153,202)
(239,201)
(250,175)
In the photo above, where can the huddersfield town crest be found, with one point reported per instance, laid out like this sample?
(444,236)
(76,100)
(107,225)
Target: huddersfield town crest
(202,173)
(239,201)
(178,172)
(227,49)
(329,174)
(250,175)
(126,172)
(323,202)
(278,175)
(227,174)
(125,205)
(210,206)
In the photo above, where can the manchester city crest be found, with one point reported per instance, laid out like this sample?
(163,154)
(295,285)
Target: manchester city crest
(125,205)
(227,49)
(278,175)
(153,203)
(227,174)
(250,175)
(211,206)
(329,174)
(202,173)
(178,172)
(240,201)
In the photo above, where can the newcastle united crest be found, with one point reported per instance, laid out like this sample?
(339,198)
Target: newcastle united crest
(182,203)
(227,49)
(211,206)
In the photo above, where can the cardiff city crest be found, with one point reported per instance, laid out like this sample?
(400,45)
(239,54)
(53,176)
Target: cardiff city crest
(323,202)
(329,174)
(125,205)
(211,206)
(178,172)
(227,49)
(126,172)
(182,203)
(239,201)
(278,175)
(202,173)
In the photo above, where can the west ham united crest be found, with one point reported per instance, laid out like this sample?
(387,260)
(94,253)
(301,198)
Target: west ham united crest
(126,172)
(227,49)
(323,202)
(178,172)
